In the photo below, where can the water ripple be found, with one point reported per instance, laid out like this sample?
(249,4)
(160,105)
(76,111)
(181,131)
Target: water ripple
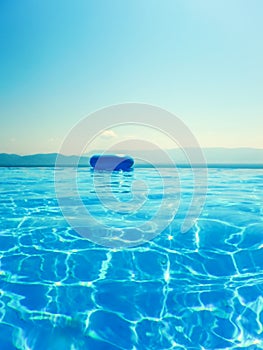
(199,290)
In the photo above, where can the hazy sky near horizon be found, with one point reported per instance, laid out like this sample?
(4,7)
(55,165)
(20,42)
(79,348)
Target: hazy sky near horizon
(62,60)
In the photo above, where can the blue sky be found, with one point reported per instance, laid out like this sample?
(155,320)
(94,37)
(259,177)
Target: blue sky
(61,60)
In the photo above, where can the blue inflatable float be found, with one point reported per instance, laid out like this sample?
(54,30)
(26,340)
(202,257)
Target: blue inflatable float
(111,162)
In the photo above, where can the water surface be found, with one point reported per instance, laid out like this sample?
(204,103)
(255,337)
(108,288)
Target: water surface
(199,290)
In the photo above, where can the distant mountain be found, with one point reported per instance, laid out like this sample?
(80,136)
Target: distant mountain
(234,155)
(212,156)
(38,160)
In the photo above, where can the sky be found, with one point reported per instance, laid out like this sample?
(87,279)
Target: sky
(61,60)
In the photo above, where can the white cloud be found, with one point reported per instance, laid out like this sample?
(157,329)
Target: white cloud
(108,134)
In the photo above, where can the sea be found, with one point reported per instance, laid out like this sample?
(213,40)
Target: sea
(127,276)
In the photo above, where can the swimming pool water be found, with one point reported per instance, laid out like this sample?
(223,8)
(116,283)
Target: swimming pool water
(198,290)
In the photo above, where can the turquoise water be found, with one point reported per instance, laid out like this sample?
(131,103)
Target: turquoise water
(198,290)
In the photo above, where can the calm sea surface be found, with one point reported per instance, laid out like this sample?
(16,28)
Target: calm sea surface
(199,290)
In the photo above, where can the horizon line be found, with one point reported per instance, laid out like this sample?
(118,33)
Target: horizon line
(145,166)
(135,150)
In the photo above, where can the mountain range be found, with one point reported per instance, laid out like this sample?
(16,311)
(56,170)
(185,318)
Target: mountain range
(212,155)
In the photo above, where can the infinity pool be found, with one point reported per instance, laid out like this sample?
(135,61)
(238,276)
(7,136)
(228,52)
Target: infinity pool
(199,290)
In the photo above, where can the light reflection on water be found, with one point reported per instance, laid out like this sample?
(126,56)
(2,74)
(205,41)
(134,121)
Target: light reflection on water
(199,290)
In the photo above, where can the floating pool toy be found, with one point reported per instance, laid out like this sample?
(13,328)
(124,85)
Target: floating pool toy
(111,162)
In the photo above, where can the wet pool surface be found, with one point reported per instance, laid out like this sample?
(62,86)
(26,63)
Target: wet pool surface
(198,290)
